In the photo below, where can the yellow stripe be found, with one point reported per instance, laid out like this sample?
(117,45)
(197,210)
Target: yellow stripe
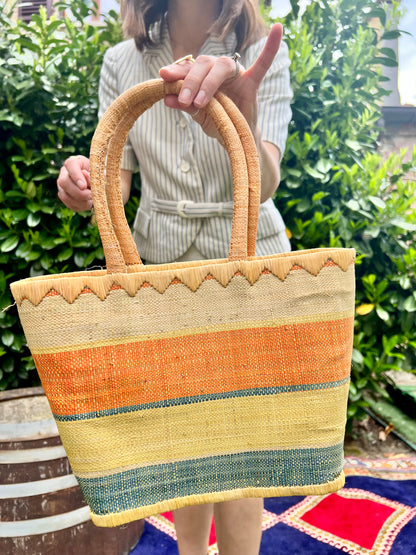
(55,325)
(284,421)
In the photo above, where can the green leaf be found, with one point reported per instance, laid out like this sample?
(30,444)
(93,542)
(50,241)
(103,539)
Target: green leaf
(7,364)
(9,244)
(79,259)
(389,343)
(353,389)
(372,232)
(384,61)
(294,171)
(46,261)
(401,222)
(313,172)
(377,202)
(33,220)
(354,145)
(351,410)
(65,254)
(32,255)
(7,338)
(319,196)
(30,190)
(304,205)
(390,35)
(361,383)
(324,165)
(389,52)
(357,357)
(382,314)
(352,205)
(20,214)
(410,304)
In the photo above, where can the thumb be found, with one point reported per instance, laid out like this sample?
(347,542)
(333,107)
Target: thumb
(258,70)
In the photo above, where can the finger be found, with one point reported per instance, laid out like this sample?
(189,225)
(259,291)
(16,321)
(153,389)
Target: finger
(77,205)
(193,81)
(221,71)
(174,72)
(74,166)
(69,192)
(260,67)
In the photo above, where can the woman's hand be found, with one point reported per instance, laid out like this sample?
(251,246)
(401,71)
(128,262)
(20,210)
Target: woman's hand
(74,188)
(74,184)
(204,77)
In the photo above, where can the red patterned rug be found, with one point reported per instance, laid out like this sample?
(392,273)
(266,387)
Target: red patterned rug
(374,514)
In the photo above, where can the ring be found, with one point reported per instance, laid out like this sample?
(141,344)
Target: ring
(194,114)
(236,56)
(185,58)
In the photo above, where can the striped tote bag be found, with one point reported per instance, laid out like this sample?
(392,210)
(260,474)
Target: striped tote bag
(193,382)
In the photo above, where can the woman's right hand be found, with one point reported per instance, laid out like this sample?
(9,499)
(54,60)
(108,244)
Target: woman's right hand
(74,184)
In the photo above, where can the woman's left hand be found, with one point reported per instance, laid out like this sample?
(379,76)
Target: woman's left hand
(207,74)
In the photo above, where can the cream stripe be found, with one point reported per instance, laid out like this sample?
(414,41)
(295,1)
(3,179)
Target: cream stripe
(90,321)
(285,421)
(198,330)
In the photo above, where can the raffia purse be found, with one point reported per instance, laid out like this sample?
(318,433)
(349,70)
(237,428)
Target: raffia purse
(193,382)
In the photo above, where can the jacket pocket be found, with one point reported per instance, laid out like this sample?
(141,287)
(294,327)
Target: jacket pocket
(141,223)
(270,220)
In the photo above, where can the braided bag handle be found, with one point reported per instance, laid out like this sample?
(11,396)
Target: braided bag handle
(105,159)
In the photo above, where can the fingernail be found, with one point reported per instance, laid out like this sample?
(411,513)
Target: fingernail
(81,184)
(185,96)
(200,98)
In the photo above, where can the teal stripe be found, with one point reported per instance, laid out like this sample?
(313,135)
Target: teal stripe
(200,399)
(146,486)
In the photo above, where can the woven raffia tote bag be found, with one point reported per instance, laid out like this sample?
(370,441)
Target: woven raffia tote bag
(193,382)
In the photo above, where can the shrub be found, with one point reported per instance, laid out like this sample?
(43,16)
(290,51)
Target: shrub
(48,96)
(338,191)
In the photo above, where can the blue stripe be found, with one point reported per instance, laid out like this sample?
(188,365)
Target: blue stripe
(146,486)
(200,399)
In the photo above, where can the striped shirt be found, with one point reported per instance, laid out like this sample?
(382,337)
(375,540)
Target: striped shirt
(179,163)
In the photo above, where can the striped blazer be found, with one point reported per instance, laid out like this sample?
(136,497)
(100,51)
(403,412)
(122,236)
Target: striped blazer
(186,184)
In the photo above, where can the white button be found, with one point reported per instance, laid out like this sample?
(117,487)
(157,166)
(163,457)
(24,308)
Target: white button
(185,166)
(182,123)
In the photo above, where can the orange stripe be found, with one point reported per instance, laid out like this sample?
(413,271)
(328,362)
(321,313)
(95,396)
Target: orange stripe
(103,378)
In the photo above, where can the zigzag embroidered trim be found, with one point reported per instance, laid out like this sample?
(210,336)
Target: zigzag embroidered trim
(191,274)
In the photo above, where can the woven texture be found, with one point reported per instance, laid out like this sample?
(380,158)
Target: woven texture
(194,382)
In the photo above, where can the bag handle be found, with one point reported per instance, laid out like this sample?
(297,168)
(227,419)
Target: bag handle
(250,151)
(105,159)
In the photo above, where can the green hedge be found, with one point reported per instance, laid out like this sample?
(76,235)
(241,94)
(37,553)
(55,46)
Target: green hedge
(336,190)
(49,74)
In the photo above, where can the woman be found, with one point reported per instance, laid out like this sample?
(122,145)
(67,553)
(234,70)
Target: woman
(183,165)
